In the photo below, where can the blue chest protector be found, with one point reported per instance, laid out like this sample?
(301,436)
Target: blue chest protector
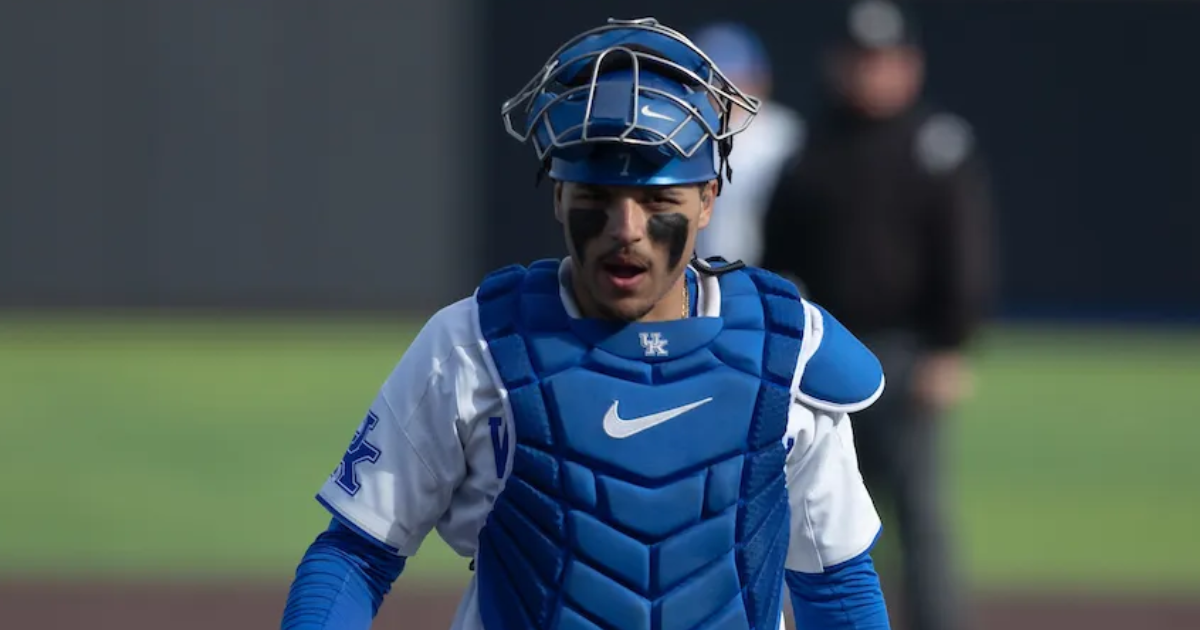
(648,489)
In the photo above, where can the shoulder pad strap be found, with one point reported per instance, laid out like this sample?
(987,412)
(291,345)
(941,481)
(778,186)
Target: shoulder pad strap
(835,372)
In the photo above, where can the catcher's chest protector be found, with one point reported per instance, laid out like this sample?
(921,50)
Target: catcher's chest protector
(647,490)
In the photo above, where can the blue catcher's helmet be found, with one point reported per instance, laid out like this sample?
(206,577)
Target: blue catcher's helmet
(630,103)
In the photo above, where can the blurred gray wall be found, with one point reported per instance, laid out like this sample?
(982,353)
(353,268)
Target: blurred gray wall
(278,153)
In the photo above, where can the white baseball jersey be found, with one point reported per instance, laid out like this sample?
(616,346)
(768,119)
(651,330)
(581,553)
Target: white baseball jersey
(425,458)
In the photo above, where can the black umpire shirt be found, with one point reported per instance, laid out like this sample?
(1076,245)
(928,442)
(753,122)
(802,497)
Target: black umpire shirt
(886,224)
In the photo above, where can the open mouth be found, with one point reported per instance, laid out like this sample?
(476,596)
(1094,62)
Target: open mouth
(623,271)
(623,275)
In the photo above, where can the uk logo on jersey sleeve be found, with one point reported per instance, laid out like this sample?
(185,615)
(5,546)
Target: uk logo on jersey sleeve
(360,452)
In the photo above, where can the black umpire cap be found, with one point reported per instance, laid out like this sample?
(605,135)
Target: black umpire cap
(878,24)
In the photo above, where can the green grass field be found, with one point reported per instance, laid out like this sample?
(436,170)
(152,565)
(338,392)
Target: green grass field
(195,446)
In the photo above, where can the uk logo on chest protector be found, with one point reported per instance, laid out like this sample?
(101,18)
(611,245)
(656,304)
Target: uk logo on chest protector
(654,343)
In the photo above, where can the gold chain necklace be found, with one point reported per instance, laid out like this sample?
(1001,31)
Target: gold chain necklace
(687,306)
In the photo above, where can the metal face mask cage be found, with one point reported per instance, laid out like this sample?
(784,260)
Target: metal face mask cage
(666,67)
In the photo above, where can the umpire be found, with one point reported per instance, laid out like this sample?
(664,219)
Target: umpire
(884,220)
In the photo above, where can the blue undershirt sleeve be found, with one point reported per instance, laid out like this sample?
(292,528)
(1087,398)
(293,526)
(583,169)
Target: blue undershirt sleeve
(846,596)
(341,582)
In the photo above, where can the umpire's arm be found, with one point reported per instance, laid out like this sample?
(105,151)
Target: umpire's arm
(960,254)
(783,229)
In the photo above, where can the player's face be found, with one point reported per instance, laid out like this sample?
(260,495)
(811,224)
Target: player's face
(629,245)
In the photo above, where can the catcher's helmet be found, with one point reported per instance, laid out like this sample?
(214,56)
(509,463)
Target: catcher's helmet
(629,103)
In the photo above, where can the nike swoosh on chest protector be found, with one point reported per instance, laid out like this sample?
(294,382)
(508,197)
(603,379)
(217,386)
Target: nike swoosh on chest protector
(618,428)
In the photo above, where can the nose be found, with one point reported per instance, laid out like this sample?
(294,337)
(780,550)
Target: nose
(626,221)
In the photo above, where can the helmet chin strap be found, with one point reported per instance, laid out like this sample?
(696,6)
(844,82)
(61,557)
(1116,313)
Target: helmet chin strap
(543,169)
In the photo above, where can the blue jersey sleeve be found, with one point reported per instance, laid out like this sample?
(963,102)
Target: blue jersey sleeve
(846,596)
(341,582)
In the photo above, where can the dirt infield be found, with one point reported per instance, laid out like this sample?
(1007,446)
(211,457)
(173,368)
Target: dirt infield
(126,606)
